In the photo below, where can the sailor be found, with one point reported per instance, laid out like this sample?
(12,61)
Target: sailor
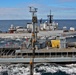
(47,45)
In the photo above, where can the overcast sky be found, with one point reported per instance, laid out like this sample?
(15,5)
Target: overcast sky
(19,9)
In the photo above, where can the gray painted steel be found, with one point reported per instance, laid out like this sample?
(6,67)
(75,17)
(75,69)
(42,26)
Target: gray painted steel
(27,60)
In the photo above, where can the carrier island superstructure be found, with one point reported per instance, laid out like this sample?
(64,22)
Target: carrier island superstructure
(51,45)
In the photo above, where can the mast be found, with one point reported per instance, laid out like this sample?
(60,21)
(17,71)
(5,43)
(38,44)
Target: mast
(34,37)
(50,17)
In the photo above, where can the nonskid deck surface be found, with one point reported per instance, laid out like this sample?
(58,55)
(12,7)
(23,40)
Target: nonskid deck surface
(41,33)
(19,35)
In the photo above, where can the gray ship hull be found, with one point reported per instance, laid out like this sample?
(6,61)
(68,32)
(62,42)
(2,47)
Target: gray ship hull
(39,60)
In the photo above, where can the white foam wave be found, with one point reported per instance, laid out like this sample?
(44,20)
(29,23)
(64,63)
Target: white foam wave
(20,69)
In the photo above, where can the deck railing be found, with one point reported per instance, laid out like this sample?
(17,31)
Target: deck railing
(40,56)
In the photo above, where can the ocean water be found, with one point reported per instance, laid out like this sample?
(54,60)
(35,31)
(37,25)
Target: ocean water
(39,68)
(5,24)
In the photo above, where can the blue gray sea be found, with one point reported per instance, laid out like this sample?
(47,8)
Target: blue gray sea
(5,24)
(39,68)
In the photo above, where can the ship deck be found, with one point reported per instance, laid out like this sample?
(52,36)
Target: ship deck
(55,50)
(41,33)
(70,58)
